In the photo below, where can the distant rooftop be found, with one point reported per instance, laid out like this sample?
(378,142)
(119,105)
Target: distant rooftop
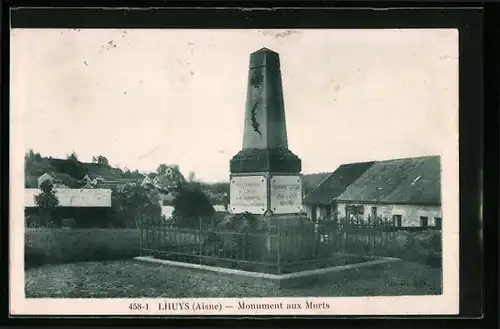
(398,181)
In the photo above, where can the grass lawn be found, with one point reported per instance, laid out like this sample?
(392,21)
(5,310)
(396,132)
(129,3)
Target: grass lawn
(131,279)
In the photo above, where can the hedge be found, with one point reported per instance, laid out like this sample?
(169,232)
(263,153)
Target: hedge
(52,246)
(424,247)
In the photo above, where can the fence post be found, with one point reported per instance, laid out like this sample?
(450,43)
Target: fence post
(141,247)
(200,240)
(279,248)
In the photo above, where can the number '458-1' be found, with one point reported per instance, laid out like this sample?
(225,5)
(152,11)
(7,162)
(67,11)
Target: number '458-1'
(138,306)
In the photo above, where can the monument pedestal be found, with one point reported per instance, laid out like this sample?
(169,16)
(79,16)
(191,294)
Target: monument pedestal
(264,193)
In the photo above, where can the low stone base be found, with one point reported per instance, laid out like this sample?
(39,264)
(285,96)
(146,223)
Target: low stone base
(297,279)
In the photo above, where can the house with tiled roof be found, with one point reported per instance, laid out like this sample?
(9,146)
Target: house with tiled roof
(59,180)
(147,181)
(321,202)
(87,186)
(91,180)
(405,191)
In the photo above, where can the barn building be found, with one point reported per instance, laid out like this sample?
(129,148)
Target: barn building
(406,192)
(321,203)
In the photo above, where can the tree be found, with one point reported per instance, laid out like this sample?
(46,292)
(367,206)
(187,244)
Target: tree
(220,188)
(152,175)
(29,155)
(161,169)
(133,200)
(47,199)
(47,202)
(127,173)
(175,168)
(100,160)
(70,166)
(72,157)
(30,159)
(190,206)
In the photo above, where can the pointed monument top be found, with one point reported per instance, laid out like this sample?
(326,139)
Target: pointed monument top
(265,144)
(264,49)
(264,57)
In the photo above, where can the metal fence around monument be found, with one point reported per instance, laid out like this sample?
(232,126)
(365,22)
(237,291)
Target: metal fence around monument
(269,251)
(278,249)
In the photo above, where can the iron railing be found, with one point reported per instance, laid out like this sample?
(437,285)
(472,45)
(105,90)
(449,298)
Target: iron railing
(276,249)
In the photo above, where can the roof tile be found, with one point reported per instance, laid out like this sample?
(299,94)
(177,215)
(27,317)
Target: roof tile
(409,181)
(336,183)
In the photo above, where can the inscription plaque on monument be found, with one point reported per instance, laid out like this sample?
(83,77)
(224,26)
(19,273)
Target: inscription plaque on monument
(248,193)
(286,194)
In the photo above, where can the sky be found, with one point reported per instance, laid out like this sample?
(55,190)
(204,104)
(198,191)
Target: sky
(145,97)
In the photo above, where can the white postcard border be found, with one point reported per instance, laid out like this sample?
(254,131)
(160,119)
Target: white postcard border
(447,303)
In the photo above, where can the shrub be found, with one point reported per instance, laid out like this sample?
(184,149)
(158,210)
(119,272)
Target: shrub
(244,237)
(242,223)
(423,246)
(190,206)
(50,246)
(254,239)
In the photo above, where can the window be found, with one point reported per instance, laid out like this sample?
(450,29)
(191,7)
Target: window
(328,214)
(397,220)
(438,222)
(424,222)
(313,213)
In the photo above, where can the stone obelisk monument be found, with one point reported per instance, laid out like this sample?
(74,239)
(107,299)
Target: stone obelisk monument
(265,174)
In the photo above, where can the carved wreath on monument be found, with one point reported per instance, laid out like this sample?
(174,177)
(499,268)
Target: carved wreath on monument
(255,81)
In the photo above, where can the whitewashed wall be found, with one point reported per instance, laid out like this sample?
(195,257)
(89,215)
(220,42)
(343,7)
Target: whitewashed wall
(410,214)
(73,197)
(167,211)
(320,211)
(219,208)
